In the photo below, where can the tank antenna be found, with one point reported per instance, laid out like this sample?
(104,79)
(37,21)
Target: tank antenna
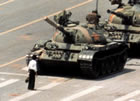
(96,10)
(97,6)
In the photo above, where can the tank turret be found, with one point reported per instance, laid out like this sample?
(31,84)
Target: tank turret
(77,34)
(125,19)
(66,35)
(82,46)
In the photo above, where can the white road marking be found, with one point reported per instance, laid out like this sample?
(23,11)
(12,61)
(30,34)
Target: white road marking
(31,93)
(3,84)
(25,68)
(9,1)
(82,93)
(128,96)
(13,74)
(13,61)
(131,100)
(2,79)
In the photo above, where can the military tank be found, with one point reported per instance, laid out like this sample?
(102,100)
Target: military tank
(82,46)
(124,24)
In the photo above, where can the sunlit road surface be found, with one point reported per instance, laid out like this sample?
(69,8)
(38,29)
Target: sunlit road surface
(22,24)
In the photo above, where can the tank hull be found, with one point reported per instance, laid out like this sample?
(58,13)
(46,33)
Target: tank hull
(92,60)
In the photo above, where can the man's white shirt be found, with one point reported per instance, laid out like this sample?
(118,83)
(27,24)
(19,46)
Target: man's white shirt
(32,65)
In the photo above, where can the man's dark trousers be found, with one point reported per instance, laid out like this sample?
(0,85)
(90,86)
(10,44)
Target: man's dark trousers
(31,83)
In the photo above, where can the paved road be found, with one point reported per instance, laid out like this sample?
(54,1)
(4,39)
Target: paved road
(22,25)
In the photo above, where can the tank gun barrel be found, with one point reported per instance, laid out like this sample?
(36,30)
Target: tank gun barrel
(118,14)
(60,28)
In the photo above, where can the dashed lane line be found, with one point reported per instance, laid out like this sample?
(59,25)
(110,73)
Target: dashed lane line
(40,19)
(18,59)
(82,93)
(4,3)
(31,93)
(12,74)
(128,96)
(8,82)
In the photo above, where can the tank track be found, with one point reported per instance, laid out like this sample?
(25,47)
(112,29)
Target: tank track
(133,51)
(105,63)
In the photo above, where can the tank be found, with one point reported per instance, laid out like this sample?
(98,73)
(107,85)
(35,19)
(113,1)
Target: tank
(82,46)
(124,24)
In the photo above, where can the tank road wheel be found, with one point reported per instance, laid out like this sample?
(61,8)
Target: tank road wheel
(121,64)
(125,56)
(109,65)
(113,65)
(123,59)
(117,62)
(103,68)
(96,68)
(89,69)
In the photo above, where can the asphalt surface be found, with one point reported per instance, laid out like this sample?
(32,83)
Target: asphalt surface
(22,25)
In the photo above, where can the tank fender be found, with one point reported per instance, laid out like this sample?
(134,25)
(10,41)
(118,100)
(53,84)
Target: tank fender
(86,55)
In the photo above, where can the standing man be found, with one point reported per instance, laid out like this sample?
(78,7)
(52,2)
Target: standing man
(32,66)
